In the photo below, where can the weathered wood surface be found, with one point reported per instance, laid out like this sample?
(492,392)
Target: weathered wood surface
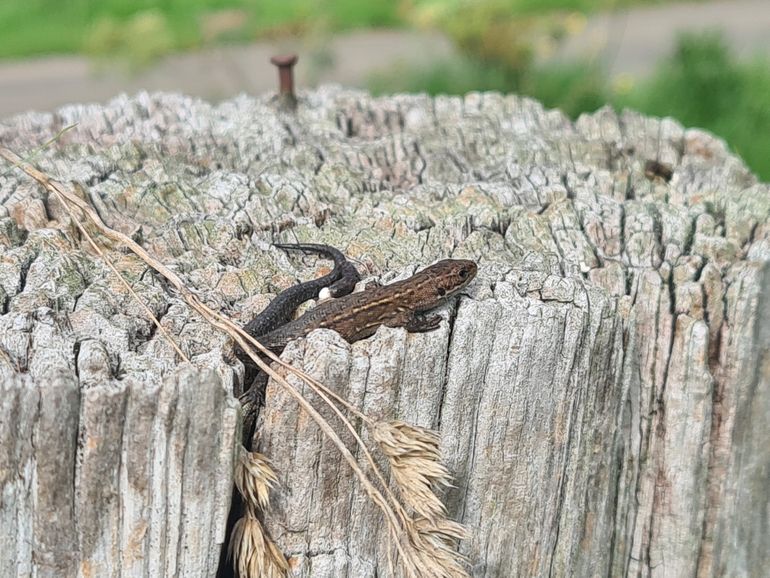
(602,392)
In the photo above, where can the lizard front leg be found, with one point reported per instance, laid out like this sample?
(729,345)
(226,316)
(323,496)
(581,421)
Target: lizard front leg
(422,323)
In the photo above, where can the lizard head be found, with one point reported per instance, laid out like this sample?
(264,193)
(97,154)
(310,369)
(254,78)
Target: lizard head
(444,279)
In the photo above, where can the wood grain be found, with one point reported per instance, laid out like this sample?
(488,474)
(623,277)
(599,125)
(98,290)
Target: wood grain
(602,390)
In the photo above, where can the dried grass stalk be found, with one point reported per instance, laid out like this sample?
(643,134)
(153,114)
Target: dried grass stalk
(255,555)
(424,549)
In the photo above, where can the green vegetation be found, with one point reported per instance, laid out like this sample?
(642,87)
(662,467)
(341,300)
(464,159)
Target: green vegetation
(700,85)
(574,89)
(105,27)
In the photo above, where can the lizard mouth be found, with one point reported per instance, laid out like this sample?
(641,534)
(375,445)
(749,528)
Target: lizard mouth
(457,292)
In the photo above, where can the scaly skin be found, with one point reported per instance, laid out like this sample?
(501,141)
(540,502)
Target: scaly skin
(401,304)
(358,315)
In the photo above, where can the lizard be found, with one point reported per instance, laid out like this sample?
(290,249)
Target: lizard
(356,316)
(401,304)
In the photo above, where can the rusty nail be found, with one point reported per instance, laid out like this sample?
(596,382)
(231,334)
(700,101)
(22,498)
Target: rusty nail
(285,64)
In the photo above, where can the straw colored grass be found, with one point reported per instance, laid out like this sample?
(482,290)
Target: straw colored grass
(423,540)
(255,554)
(415,462)
(254,478)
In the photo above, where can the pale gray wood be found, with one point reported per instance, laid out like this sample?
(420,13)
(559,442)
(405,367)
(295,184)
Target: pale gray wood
(601,389)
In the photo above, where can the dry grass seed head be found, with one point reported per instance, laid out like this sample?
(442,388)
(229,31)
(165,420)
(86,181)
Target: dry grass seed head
(414,458)
(433,549)
(255,554)
(254,478)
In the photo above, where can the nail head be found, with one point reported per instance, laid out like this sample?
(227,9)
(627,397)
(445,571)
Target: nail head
(284,60)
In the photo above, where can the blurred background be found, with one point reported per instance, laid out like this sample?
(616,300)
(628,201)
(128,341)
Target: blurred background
(705,62)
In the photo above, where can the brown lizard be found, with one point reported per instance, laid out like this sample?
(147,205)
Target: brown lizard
(401,304)
(358,315)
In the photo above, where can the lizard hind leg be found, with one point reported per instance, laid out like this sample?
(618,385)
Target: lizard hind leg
(420,323)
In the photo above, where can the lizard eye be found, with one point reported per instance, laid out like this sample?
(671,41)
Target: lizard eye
(441,291)
(463,273)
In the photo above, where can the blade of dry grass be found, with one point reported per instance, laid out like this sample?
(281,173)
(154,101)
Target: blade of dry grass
(34,152)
